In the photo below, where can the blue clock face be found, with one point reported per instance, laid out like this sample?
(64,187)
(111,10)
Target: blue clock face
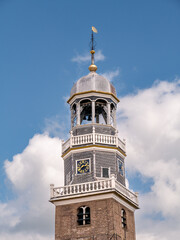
(120,167)
(83,166)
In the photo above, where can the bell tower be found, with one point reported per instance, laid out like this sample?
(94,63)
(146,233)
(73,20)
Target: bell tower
(94,203)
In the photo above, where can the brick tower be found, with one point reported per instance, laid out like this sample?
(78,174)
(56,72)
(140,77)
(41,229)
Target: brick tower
(94,203)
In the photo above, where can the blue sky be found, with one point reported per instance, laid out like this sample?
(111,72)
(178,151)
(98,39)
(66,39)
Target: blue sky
(39,39)
(140,42)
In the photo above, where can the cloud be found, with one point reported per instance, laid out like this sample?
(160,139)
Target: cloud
(150,120)
(57,126)
(30,215)
(99,56)
(111,74)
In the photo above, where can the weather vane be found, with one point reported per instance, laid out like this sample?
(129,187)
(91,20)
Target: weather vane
(93,67)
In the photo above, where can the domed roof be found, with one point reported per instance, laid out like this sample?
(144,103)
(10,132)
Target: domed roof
(93,81)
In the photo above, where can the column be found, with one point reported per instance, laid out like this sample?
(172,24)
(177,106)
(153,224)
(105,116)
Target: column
(108,113)
(93,111)
(114,117)
(72,125)
(78,113)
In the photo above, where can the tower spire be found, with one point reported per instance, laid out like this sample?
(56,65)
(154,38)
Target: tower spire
(92,67)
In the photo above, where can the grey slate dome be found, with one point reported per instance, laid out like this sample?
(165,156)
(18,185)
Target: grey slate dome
(93,81)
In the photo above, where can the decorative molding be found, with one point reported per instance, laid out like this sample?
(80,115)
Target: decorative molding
(94,197)
(89,93)
(93,147)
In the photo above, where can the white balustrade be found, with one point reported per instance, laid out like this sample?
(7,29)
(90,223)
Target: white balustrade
(93,138)
(122,144)
(66,145)
(101,185)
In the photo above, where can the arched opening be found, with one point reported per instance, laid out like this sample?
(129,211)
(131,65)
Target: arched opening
(74,115)
(112,112)
(101,111)
(86,112)
(123,218)
(83,215)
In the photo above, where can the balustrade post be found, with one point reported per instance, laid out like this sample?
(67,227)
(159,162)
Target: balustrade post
(124,140)
(113,179)
(116,138)
(136,200)
(62,144)
(71,136)
(51,190)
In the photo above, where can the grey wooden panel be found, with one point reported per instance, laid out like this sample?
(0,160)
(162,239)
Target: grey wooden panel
(86,129)
(67,168)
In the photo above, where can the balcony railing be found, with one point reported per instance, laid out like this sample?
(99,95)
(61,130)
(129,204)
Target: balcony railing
(90,187)
(93,138)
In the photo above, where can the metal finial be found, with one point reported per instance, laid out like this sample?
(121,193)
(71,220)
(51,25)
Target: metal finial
(92,67)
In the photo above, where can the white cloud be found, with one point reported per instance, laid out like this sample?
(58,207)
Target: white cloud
(30,215)
(111,74)
(22,236)
(150,120)
(57,126)
(99,56)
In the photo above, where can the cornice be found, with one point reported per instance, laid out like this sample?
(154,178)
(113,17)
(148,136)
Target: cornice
(93,147)
(95,197)
(95,92)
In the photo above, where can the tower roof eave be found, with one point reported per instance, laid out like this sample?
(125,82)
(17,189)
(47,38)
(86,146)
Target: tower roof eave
(92,91)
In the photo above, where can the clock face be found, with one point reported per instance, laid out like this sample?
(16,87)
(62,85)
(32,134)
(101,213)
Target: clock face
(83,166)
(121,168)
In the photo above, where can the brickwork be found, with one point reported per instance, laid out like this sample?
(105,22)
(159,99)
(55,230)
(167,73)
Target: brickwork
(105,221)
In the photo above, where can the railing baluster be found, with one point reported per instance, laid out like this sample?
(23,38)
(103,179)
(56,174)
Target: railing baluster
(93,186)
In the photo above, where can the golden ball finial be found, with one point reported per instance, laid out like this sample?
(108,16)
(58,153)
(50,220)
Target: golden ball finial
(92,68)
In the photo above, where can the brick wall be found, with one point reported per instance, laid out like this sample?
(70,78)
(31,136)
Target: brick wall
(105,221)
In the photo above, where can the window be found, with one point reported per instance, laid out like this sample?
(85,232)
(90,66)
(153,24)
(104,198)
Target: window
(86,112)
(101,111)
(123,218)
(83,216)
(112,113)
(73,115)
(105,172)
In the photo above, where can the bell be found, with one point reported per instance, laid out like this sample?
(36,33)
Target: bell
(89,118)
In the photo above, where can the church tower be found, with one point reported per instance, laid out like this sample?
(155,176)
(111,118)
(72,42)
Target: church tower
(94,203)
